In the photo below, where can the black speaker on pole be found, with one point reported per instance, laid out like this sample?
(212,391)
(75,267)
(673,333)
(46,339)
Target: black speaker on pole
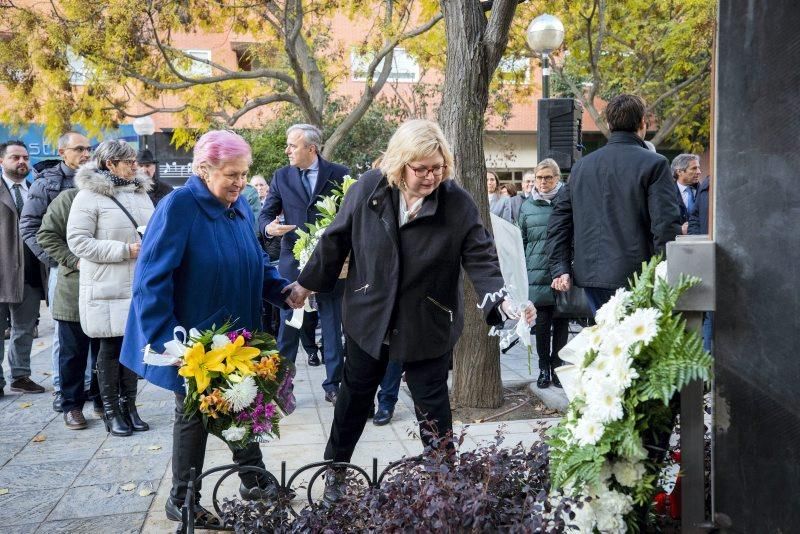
(559,135)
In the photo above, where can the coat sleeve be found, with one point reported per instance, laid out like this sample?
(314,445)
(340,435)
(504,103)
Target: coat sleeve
(81,228)
(52,233)
(273,285)
(662,203)
(322,270)
(560,230)
(31,219)
(479,260)
(163,249)
(273,205)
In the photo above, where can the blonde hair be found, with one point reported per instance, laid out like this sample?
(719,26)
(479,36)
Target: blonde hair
(414,140)
(548,164)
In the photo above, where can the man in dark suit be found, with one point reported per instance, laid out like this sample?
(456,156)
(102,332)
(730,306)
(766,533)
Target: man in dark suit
(294,190)
(686,172)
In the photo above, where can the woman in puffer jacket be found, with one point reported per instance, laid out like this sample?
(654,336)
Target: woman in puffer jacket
(102,232)
(533,218)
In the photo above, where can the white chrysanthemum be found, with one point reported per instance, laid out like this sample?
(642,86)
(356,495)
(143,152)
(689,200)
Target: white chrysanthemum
(584,520)
(615,502)
(612,312)
(241,393)
(661,271)
(219,341)
(605,472)
(233,433)
(604,404)
(588,431)
(628,473)
(641,325)
(615,344)
(621,373)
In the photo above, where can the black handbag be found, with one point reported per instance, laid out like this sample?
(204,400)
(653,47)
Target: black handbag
(572,304)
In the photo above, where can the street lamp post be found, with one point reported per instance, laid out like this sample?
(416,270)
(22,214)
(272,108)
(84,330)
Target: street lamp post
(545,33)
(144,126)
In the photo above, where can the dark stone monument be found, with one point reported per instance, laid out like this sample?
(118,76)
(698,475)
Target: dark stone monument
(757,220)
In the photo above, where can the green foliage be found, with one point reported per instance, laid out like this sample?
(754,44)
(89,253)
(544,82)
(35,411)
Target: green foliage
(658,49)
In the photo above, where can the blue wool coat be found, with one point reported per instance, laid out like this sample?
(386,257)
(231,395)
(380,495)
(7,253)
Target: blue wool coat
(199,265)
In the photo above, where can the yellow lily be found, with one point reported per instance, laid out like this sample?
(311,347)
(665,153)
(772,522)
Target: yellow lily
(198,364)
(238,357)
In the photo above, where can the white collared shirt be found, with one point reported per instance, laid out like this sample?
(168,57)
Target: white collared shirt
(406,213)
(23,188)
(684,193)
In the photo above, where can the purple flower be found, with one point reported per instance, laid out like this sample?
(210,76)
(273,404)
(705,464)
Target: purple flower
(285,396)
(246,334)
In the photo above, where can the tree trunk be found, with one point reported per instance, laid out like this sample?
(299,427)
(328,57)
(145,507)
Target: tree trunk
(474,48)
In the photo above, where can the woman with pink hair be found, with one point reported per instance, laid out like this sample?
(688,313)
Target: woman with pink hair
(200,265)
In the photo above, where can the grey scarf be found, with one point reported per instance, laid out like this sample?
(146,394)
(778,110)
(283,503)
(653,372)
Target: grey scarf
(547,196)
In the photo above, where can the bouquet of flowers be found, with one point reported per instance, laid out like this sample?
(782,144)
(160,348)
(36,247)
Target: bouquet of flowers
(237,381)
(622,376)
(327,207)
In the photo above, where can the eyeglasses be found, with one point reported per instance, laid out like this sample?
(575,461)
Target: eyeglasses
(547,178)
(79,148)
(128,161)
(422,172)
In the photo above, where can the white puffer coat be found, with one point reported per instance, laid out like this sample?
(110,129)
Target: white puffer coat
(99,232)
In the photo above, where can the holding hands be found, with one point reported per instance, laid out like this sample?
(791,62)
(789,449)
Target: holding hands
(297,295)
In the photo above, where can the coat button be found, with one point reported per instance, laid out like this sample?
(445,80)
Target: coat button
(395,332)
(231,215)
(374,202)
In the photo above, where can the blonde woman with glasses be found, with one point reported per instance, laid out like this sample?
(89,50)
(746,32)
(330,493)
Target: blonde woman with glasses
(409,229)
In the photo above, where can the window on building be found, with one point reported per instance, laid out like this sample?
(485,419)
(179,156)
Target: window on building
(246,58)
(195,69)
(514,70)
(79,72)
(404,67)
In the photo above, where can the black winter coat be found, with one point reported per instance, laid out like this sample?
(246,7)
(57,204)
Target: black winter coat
(44,190)
(619,209)
(405,283)
(698,219)
(159,190)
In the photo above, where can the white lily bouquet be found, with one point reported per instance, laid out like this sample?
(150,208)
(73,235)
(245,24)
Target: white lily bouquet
(621,376)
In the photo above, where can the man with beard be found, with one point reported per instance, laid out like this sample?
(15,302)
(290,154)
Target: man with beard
(21,275)
(74,150)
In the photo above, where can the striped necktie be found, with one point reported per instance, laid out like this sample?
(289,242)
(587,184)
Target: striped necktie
(18,197)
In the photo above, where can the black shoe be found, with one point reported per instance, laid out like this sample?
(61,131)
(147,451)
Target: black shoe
(331,396)
(544,379)
(26,385)
(257,493)
(313,360)
(57,398)
(556,381)
(97,406)
(382,417)
(202,517)
(334,485)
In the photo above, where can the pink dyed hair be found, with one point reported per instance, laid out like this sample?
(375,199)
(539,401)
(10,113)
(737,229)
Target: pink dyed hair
(217,146)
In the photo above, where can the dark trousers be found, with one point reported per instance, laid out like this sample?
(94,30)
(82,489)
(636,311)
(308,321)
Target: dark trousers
(76,350)
(189,438)
(427,380)
(549,328)
(308,333)
(597,296)
(390,386)
(330,317)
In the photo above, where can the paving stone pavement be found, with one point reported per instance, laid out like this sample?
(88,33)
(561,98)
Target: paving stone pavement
(61,480)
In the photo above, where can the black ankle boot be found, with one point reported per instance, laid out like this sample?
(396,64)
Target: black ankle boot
(108,382)
(544,378)
(127,402)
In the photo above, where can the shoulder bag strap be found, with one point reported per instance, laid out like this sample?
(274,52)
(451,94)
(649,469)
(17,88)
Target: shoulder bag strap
(126,212)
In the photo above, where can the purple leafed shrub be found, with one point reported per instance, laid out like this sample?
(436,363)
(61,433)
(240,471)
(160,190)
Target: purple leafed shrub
(489,489)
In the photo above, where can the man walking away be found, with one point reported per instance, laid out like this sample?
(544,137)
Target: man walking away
(619,207)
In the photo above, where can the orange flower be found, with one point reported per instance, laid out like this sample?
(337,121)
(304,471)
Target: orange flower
(267,367)
(214,404)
